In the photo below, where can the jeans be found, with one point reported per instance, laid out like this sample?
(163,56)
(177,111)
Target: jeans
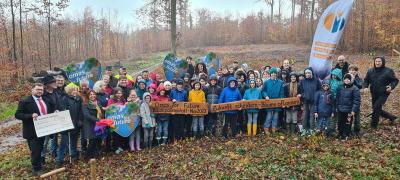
(162,129)
(198,124)
(53,145)
(252,118)
(135,136)
(291,116)
(68,138)
(36,147)
(230,119)
(308,116)
(323,122)
(272,119)
(148,136)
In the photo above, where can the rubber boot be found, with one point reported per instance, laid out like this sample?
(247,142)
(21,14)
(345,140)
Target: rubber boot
(158,140)
(138,146)
(293,128)
(132,145)
(248,129)
(255,129)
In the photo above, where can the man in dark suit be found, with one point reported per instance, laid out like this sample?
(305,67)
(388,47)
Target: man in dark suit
(28,111)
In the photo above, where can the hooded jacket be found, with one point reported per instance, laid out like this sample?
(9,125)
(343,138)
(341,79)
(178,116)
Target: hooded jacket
(179,95)
(147,116)
(140,92)
(273,89)
(196,95)
(348,99)
(230,94)
(323,103)
(335,84)
(344,69)
(377,79)
(162,117)
(252,94)
(308,88)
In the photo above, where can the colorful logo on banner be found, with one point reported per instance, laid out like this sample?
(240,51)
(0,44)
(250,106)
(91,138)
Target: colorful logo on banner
(212,63)
(126,118)
(327,36)
(90,69)
(174,67)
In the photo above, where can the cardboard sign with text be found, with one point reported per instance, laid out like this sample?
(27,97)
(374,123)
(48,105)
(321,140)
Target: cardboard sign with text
(179,108)
(256,104)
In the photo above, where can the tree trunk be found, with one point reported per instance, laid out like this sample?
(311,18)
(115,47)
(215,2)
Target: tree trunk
(22,38)
(361,43)
(49,33)
(173,27)
(312,21)
(14,52)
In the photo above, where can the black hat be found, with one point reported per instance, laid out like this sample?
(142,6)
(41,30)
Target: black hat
(179,81)
(109,68)
(48,79)
(348,76)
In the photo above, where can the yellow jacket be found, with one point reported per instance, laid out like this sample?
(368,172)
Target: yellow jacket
(197,96)
(129,77)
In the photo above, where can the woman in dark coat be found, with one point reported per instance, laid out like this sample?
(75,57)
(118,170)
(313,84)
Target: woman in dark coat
(92,113)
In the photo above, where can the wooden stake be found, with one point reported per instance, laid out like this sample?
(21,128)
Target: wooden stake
(53,173)
(92,163)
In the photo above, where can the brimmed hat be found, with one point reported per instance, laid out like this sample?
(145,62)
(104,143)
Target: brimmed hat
(48,79)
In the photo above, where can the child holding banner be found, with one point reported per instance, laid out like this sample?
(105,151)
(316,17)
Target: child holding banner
(162,119)
(273,89)
(292,89)
(253,93)
(230,94)
(197,95)
(119,142)
(212,94)
(178,95)
(148,120)
(134,138)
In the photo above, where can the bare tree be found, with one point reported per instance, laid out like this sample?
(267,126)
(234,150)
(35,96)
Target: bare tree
(14,52)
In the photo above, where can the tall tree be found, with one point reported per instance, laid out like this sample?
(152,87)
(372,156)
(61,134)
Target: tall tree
(312,21)
(14,51)
(22,37)
(173,27)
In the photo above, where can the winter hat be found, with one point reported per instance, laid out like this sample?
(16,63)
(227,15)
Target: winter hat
(273,70)
(179,81)
(325,82)
(142,81)
(348,76)
(160,88)
(283,71)
(293,74)
(167,83)
(146,94)
(308,71)
(152,86)
(187,75)
(213,77)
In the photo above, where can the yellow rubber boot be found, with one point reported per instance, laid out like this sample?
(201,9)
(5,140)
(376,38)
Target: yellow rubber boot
(249,129)
(254,129)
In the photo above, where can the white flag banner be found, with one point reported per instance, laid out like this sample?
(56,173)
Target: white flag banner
(327,36)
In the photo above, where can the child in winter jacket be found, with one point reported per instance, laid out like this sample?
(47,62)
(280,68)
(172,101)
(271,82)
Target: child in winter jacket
(162,119)
(308,87)
(148,120)
(134,138)
(197,95)
(230,94)
(353,70)
(323,106)
(347,105)
(253,93)
(178,95)
(152,89)
(292,89)
(273,89)
(212,94)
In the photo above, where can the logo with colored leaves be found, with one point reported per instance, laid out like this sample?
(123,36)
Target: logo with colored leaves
(174,67)
(212,62)
(90,69)
(126,118)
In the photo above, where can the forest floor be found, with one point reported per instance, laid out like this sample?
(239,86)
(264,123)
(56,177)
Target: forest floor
(376,154)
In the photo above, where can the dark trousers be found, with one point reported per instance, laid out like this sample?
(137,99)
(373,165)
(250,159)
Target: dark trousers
(344,124)
(92,149)
(119,141)
(187,123)
(36,147)
(179,125)
(242,122)
(211,123)
(377,111)
(231,120)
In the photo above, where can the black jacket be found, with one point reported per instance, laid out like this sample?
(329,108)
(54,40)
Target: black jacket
(378,78)
(24,113)
(348,99)
(74,105)
(89,122)
(55,98)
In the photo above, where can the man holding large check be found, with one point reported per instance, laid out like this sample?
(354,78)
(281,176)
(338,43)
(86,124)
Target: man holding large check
(28,111)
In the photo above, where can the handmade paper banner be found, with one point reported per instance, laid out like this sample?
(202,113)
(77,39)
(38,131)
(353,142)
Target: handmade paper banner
(179,108)
(212,62)
(174,67)
(327,36)
(90,69)
(126,118)
(256,104)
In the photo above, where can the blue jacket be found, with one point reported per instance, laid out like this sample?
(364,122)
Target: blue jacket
(274,90)
(308,88)
(336,83)
(179,96)
(252,94)
(102,98)
(348,99)
(230,95)
(358,82)
(323,103)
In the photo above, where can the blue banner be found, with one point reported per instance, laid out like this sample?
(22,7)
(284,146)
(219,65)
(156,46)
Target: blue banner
(126,118)
(90,69)
(174,67)
(212,62)
(327,36)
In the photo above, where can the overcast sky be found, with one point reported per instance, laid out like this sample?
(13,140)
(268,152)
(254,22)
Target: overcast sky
(127,16)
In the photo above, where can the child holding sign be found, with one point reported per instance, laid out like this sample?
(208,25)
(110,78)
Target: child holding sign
(230,94)
(197,95)
(253,93)
(148,120)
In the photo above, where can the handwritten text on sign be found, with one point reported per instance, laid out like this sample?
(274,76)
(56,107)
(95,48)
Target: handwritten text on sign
(179,108)
(256,104)
(53,123)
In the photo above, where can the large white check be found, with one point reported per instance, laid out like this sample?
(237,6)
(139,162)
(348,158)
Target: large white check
(53,123)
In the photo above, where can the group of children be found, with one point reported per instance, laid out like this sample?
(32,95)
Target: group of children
(324,106)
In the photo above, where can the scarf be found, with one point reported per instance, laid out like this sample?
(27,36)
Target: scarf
(293,89)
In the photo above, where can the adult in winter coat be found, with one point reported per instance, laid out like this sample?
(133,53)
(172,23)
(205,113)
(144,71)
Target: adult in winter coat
(92,112)
(230,94)
(348,104)
(253,93)
(308,87)
(381,81)
(343,65)
(273,89)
